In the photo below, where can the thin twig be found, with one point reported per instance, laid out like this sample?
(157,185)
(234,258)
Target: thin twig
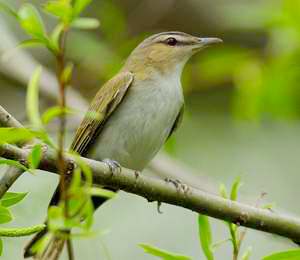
(61,133)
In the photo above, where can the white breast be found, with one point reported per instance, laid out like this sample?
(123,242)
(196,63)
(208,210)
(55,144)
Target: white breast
(141,124)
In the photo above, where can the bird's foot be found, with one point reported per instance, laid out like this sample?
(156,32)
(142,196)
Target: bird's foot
(180,187)
(114,166)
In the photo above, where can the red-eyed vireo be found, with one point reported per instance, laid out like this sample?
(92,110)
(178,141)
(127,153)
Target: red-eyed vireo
(140,107)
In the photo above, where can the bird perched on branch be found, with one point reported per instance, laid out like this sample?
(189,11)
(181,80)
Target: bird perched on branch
(140,107)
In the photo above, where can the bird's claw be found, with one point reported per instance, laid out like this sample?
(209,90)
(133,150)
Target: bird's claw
(114,166)
(180,187)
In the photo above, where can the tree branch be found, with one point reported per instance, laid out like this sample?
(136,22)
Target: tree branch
(12,173)
(158,190)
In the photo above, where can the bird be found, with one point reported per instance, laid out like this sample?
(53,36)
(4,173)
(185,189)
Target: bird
(140,107)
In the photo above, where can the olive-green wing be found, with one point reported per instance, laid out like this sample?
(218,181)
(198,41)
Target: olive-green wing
(177,121)
(103,105)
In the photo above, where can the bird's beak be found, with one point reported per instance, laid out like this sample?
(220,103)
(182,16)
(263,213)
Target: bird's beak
(209,41)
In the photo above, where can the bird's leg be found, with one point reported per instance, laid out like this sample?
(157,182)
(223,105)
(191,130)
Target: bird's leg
(114,166)
(180,187)
(159,207)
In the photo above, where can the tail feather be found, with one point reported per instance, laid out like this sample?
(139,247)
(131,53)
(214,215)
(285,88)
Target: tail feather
(56,244)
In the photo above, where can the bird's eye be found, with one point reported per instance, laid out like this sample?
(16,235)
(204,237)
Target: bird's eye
(171,41)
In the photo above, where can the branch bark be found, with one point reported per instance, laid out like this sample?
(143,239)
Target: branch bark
(12,173)
(158,190)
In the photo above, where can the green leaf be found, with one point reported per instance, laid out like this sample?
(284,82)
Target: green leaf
(285,255)
(12,198)
(55,218)
(67,73)
(235,188)
(8,10)
(79,6)
(85,169)
(41,244)
(5,215)
(60,9)
(223,191)
(13,163)
(246,255)
(55,36)
(35,156)
(76,179)
(54,112)
(31,43)
(1,247)
(85,23)
(32,99)
(94,191)
(31,21)
(205,236)
(15,135)
(165,255)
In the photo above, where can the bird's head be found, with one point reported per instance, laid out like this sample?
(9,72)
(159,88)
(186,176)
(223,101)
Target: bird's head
(166,52)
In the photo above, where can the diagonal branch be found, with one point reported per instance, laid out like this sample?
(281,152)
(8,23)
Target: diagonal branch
(12,173)
(154,189)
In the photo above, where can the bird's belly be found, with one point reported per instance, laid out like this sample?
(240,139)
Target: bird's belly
(139,127)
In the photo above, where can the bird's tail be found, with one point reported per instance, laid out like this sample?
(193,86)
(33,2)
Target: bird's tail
(56,243)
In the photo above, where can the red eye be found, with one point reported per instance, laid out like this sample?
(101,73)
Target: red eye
(171,41)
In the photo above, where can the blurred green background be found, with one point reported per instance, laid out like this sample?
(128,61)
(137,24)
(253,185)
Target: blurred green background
(242,115)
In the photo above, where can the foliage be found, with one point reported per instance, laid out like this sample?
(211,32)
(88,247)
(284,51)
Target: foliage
(9,199)
(205,236)
(286,255)
(165,255)
(79,207)
(265,80)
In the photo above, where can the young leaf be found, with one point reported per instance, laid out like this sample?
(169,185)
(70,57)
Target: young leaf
(94,191)
(163,254)
(8,10)
(67,73)
(13,163)
(55,36)
(31,43)
(235,188)
(35,156)
(76,180)
(246,255)
(15,135)
(41,244)
(205,236)
(55,218)
(12,198)
(85,23)
(54,112)
(31,21)
(5,215)
(86,170)
(79,6)
(223,191)
(32,99)
(60,9)
(285,255)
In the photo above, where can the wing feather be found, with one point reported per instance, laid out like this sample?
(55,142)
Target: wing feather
(177,121)
(103,105)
